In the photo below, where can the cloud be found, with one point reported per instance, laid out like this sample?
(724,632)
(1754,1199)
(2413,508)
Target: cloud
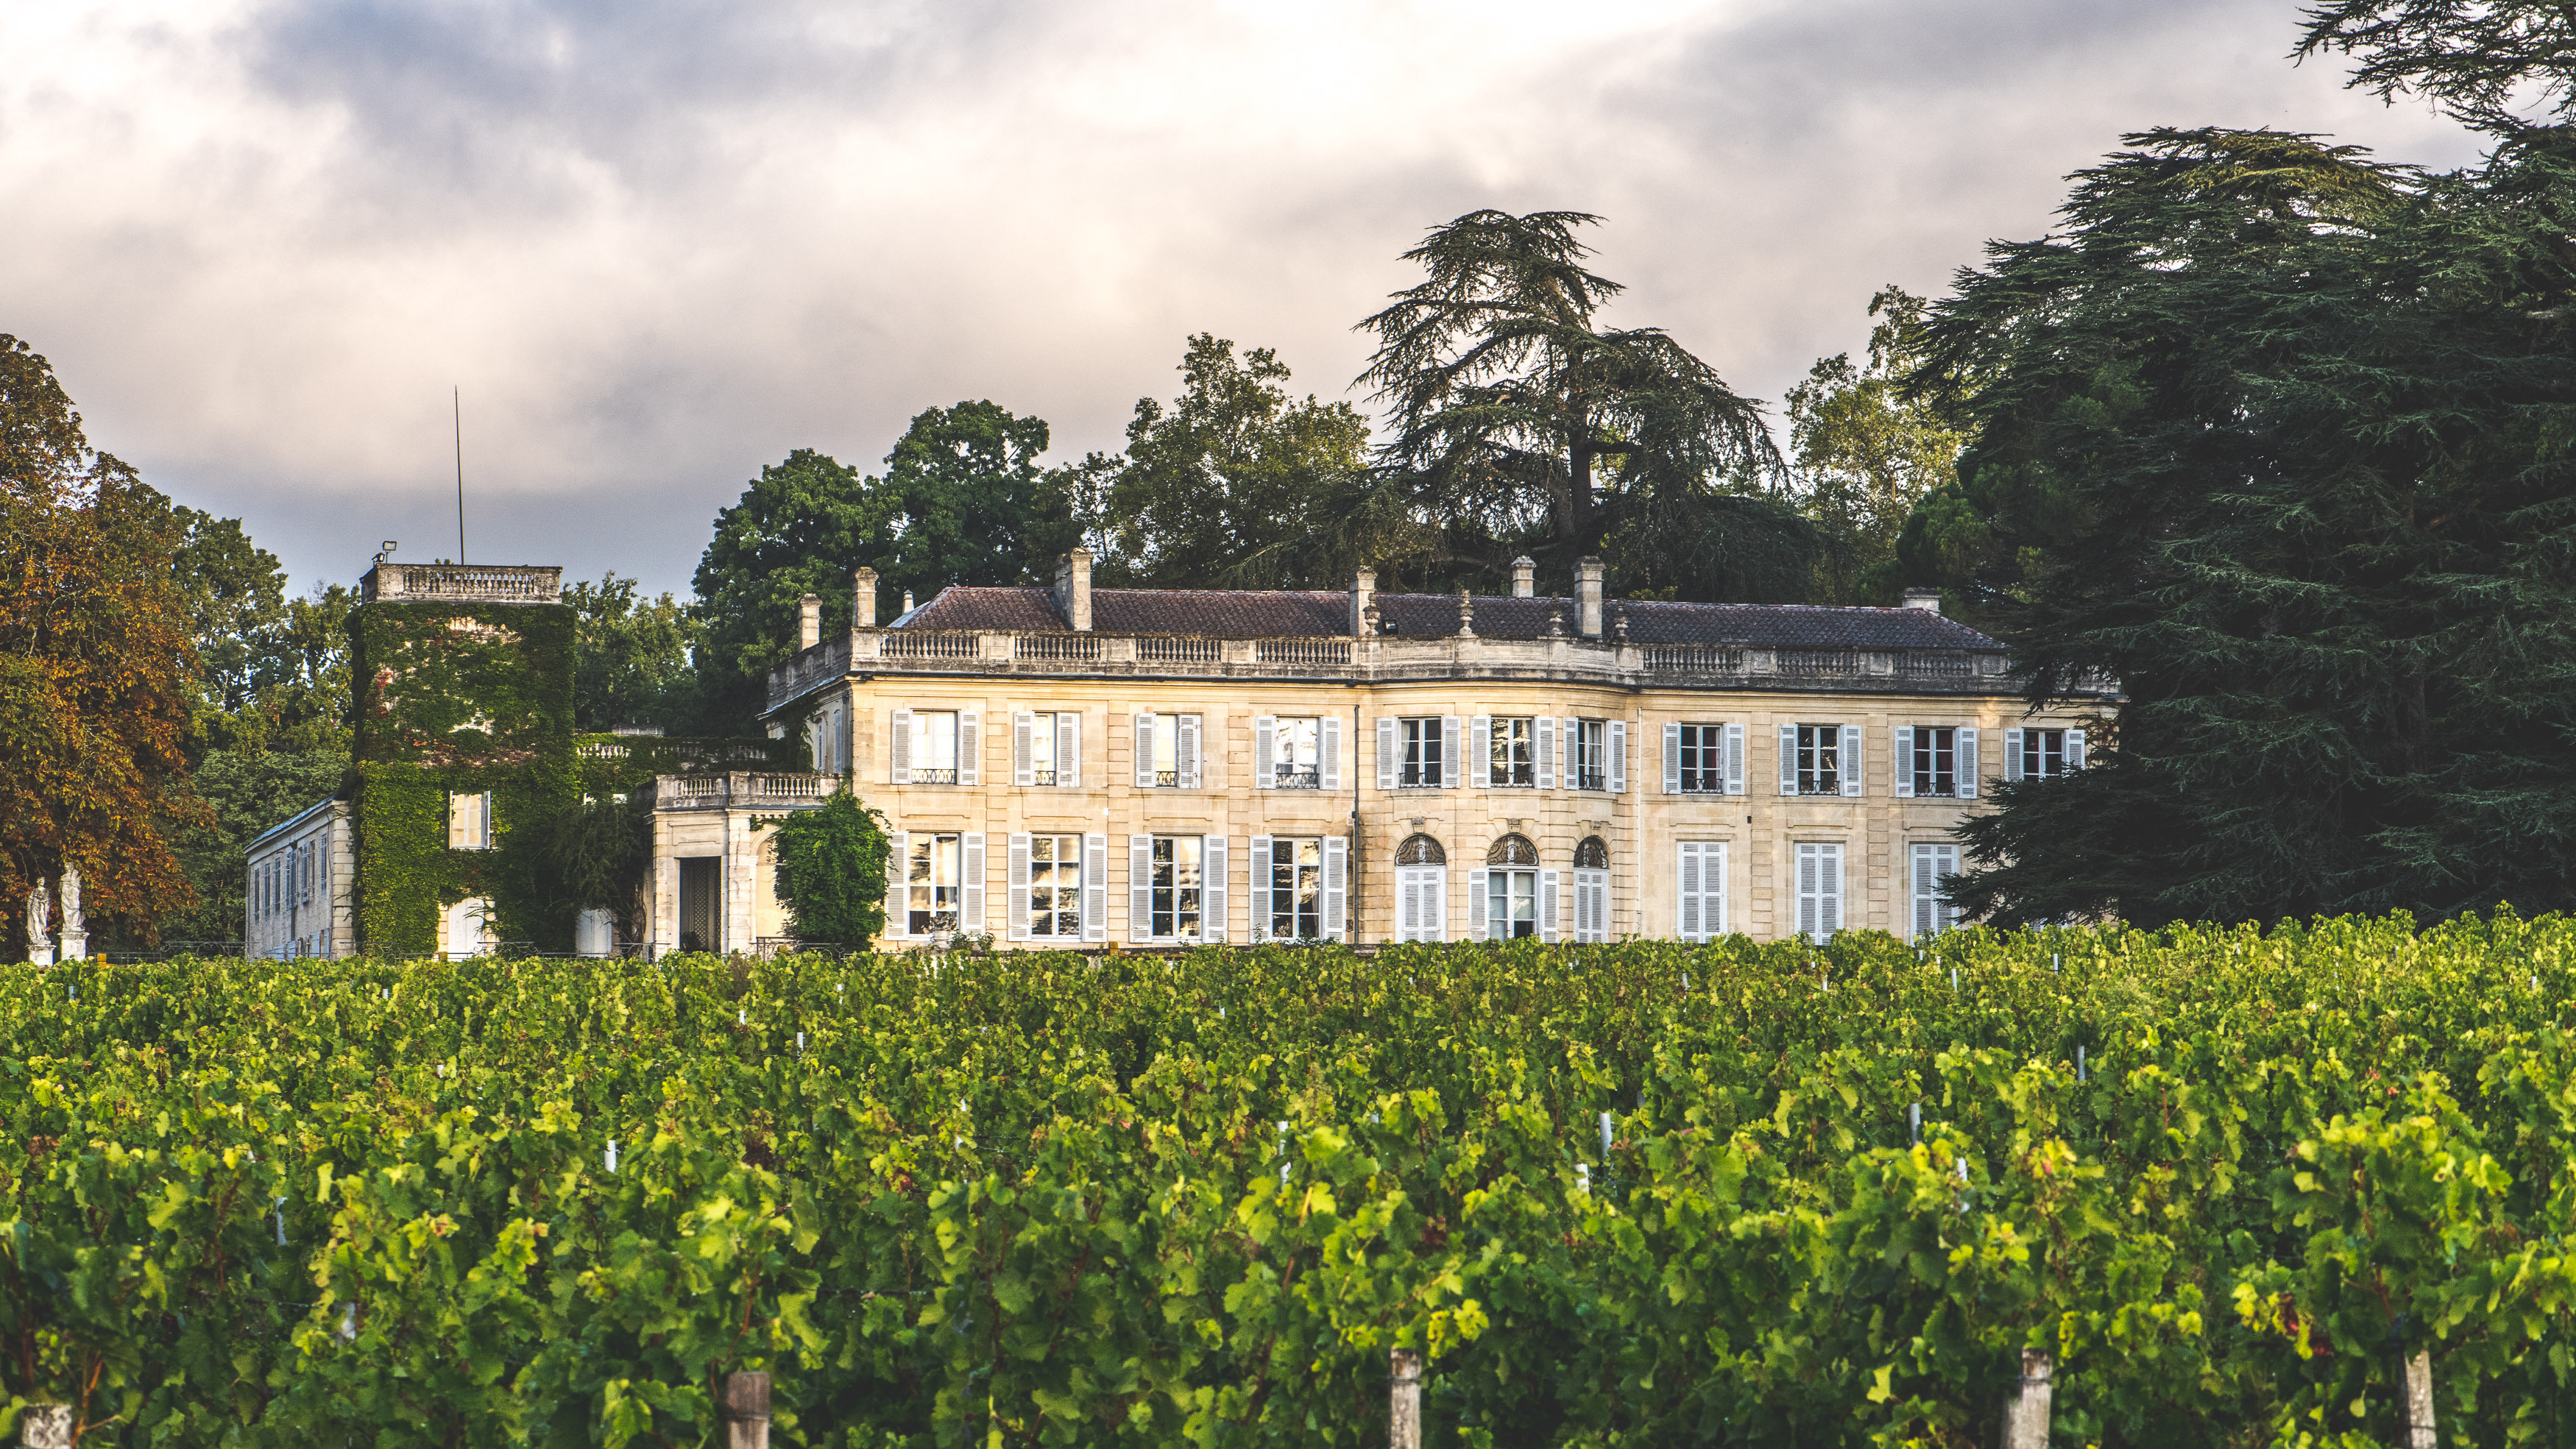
(659,244)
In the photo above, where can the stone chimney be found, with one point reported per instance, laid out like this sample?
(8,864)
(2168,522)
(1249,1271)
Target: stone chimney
(907,601)
(1524,577)
(863,599)
(1363,601)
(809,622)
(1918,597)
(1587,597)
(1073,589)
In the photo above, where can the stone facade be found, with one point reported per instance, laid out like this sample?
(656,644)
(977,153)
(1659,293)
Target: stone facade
(1602,768)
(299,894)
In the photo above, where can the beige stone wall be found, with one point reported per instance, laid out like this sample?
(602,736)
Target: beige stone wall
(1640,826)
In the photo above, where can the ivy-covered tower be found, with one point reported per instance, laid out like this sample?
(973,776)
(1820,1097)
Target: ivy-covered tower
(464,744)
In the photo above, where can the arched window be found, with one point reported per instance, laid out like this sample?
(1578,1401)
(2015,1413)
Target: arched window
(1420,850)
(1512,850)
(1592,854)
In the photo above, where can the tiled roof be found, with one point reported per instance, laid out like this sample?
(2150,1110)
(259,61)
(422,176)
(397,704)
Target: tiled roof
(1270,614)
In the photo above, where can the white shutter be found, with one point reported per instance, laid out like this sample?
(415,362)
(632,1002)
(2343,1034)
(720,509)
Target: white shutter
(899,747)
(1265,749)
(1024,769)
(1547,882)
(1833,911)
(2074,750)
(1421,903)
(1256,882)
(1068,747)
(1807,893)
(1337,871)
(970,752)
(897,863)
(1450,750)
(1686,892)
(1788,759)
(1592,905)
(1328,751)
(1406,917)
(970,885)
(1967,762)
(1095,887)
(1618,757)
(1387,748)
(1923,899)
(1477,926)
(1735,759)
(1143,748)
(1019,888)
(1212,893)
(484,818)
(1480,744)
(1545,728)
(1185,751)
(2012,754)
(1569,737)
(1851,764)
(1904,762)
(1140,888)
(1672,759)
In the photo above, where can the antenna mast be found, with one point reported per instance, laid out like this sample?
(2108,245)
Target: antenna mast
(456,400)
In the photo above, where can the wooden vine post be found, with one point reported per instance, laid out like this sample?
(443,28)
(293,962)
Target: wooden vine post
(2026,1425)
(2420,1433)
(45,1426)
(1404,1399)
(746,1411)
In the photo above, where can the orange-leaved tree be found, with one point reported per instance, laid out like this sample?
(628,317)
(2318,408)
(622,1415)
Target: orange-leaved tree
(95,662)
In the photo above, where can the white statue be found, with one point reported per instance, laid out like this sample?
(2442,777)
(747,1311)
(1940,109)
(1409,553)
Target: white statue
(40,934)
(75,930)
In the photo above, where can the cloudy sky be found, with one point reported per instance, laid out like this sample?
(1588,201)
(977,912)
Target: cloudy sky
(661,242)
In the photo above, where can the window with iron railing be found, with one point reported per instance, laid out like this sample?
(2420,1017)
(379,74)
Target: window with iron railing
(1591,754)
(1296,761)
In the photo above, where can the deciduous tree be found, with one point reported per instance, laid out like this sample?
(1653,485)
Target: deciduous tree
(95,663)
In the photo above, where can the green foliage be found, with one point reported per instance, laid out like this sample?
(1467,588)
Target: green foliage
(1239,485)
(1521,426)
(462,701)
(1864,455)
(2220,1175)
(631,656)
(832,872)
(963,501)
(2272,435)
(596,855)
(247,793)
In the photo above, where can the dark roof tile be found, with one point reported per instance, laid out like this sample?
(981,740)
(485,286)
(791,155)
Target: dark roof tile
(1276,613)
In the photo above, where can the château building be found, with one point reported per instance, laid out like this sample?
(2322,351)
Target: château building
(1066,767)
(1073,766)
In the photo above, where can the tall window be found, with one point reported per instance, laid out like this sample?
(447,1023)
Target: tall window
(1177,884)
(1420,740)
(1592,889)
(1295,892)
(1932,914)
(931,879)
(1296,760)
(1820,890)
(934,747)
(2043,754)
(1703,759)
(1421,890)
(1162,747)
(1820,759)
(470,821)
(1055,886)
(1511,753)
(1511,889)
(1936,760)
(1590,754)
(1042,748)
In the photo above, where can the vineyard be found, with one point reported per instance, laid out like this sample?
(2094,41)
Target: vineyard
(1646,1194)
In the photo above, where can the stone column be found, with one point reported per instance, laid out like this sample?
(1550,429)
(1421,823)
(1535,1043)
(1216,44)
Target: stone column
(40,923)
(75,935)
